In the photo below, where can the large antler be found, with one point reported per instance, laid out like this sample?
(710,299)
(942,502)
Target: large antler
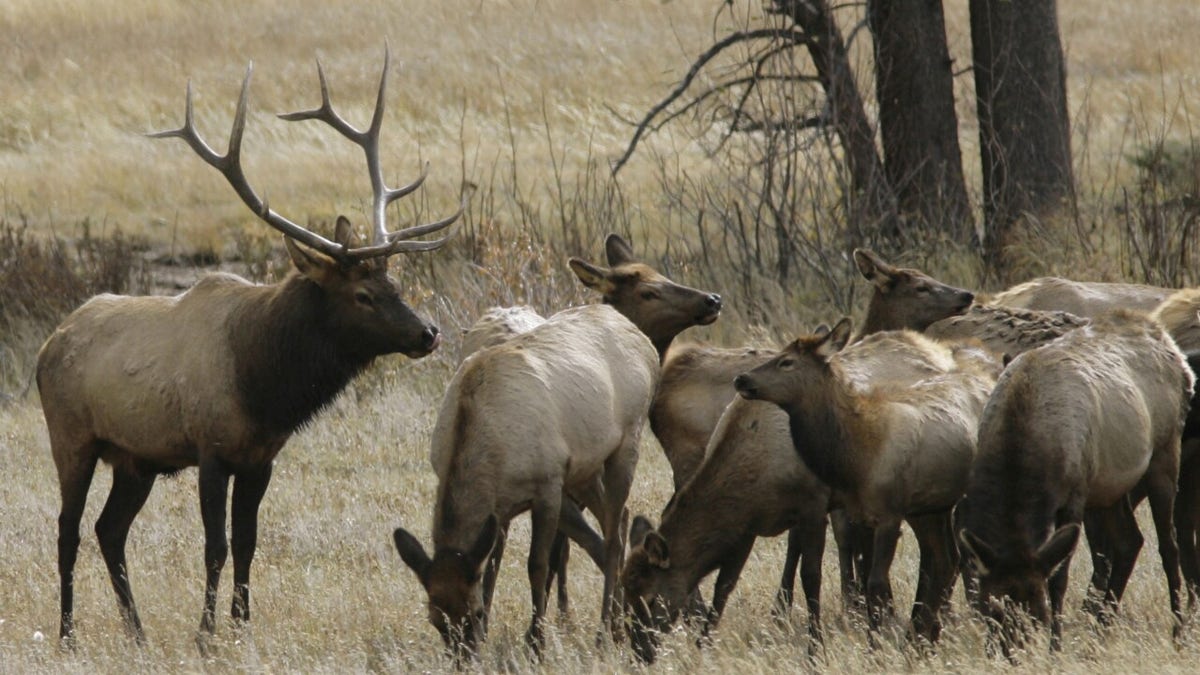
(385,243)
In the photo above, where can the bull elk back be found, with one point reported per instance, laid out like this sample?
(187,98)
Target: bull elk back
(220,376)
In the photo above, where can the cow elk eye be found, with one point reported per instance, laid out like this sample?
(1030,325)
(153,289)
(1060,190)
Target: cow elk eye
(649,294)
(787,364)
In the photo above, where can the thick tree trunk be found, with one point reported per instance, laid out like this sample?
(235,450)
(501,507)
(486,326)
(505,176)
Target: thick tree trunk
(1024,131)
(917,123)
(873,204)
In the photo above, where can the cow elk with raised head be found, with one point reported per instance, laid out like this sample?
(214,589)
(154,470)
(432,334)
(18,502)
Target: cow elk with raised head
(891,450)
(555,411)
(220,376)
(1071,428)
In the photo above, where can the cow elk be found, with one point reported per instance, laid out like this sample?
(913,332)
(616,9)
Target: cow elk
(751,483)
(1071,428)
(220,376)
(497,325)
(1087,299)
(697,383)
(890,450)
(557,410)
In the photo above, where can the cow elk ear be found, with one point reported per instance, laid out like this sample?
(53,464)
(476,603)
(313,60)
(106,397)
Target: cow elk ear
(656,550)
(412,553)
(1058,548)
(481,550)
(835,339)
(873,268)
(316,266)
(822,329)
(980,555)
(638,530)
(618,250)
(595,278)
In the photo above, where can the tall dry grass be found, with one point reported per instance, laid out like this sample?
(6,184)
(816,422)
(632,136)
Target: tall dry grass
(520,98)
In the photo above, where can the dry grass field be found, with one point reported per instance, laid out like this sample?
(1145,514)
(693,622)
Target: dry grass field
(513,94)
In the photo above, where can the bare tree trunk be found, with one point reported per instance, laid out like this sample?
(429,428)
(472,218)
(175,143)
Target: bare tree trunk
(873,204)
(918,125)
(1024,130)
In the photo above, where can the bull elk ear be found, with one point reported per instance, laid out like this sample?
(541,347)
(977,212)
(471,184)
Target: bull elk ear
(657,550)
(835,339)
(412,553)
(980,555)
(344,234)
(482,548)
(873,267)
(638,530)
(618,250)
(595,278)
(1058,548)
(314,265)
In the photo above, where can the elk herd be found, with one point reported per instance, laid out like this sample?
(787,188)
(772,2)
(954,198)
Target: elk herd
(999,431)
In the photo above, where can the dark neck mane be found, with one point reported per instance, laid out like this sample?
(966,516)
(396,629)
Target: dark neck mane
(288,359)
(822,440)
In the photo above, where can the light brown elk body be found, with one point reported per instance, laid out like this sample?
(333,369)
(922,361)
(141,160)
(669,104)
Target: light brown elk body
(752,483)
(1087,299)
(697,383)
(557,409)
(218,377)
(1006,331)
(1072,426)
(892,451)
(493,327)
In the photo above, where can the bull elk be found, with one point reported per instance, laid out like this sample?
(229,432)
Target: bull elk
(1071,428)
(554,412)
(891,450)
(222,375)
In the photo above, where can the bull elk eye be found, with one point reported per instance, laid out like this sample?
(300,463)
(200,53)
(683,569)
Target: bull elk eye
(364,298)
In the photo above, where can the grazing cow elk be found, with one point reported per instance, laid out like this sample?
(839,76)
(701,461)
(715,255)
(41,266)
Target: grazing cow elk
(1074,425)
(697,384)
(220,376)
(495,326)
(891,450)
(1087,299)
(556,410)
(750,484)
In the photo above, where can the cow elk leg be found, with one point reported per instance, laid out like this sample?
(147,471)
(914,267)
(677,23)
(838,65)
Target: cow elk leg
(544,528)
(938,571)
(1161,484)
(130,488)
(879,589)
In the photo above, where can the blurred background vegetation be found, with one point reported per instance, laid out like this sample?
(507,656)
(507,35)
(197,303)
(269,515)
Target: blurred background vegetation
(757,145)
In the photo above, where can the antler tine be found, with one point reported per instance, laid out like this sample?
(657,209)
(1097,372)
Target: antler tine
(230,166)
(383,242)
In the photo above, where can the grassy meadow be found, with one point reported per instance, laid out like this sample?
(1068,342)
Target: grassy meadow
(525,100)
